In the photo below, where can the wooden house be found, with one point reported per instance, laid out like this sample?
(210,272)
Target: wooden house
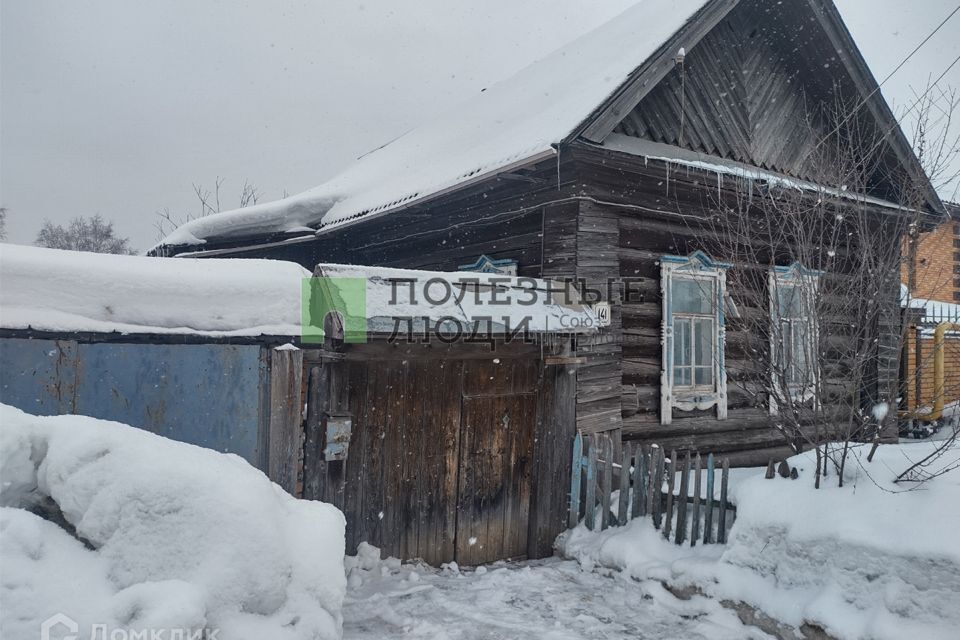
(595,164)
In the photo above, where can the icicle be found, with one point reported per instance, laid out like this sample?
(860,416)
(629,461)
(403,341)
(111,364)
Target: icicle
(719,185)
(667,163)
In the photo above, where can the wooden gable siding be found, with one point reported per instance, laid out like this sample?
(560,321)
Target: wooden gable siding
(740,95)
(760,91)
(657,215)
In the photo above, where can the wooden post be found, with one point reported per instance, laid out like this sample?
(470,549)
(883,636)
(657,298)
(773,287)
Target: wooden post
(708,518)
(639,482)
(695,520)
(575,471)
(590,500)
(624,502)
(607,482)
(722,524)
(682,501)
(313,469)
(286,374)
(656,482)
(671,476)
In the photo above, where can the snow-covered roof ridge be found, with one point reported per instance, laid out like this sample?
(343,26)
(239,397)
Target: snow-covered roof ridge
(515,122)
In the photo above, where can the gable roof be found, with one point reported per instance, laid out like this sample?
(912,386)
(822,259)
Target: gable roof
(580,91)
(514,122)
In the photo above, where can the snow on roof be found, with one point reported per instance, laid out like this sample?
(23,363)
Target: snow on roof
(65,291)
(493,304)
(670,154)
(513,123)
(69,291)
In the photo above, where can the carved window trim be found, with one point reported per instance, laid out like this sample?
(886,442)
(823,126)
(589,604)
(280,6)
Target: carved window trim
(808,283)
(713,277)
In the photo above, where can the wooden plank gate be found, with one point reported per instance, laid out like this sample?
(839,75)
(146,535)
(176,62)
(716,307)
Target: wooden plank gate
(444,459)
(643,483)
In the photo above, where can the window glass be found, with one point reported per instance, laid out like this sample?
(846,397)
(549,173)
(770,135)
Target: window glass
(798,363)
(789,299)
(692,296)
(795,346)
(703,350)
(681,352)
(704,376)
(693,351)
(681,343)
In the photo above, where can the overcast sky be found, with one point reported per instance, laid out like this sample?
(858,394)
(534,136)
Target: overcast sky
(117,107)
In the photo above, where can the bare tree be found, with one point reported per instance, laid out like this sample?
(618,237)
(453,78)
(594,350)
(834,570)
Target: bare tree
(3,223)
(94,234)
(209,203)
(815,284)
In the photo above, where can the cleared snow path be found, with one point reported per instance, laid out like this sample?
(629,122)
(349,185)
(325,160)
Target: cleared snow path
(551,598)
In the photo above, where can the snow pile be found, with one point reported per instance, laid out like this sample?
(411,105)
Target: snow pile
(144,533)
(869,560)
(53,290)
(513,123)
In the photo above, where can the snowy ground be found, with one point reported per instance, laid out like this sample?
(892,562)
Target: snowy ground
(872,559)
(553,598)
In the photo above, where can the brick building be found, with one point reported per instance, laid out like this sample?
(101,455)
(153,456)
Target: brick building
(935,298)
(938,261)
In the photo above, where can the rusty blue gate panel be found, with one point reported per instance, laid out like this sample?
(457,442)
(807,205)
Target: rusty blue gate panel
(38,376)
(206,394)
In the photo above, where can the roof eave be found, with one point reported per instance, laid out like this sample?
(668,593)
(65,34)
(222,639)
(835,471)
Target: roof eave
(644,78)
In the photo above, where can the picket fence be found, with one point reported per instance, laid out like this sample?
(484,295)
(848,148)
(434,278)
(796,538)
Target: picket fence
(638,477)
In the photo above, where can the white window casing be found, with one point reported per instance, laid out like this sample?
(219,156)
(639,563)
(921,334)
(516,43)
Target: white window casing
(693,374)
(794,335)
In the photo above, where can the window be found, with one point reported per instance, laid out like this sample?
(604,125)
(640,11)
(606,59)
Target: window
(693,376)
(693,331)
(793,334)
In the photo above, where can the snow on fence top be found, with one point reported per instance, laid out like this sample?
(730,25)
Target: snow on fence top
(514,122)
(69,291)
(64,291)
(492,304)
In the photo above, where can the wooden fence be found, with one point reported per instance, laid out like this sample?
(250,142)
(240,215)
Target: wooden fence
(638,478)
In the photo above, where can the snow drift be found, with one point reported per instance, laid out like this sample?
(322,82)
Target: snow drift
(140,533)
(872,559)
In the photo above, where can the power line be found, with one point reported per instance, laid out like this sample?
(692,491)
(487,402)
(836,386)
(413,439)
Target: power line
(917,102)
(889,75)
